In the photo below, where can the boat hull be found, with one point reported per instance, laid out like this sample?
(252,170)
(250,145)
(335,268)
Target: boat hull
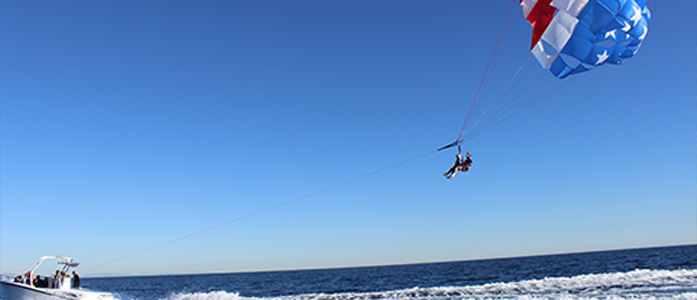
(20,291)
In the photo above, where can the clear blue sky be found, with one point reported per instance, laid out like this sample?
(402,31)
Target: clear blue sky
(129,124)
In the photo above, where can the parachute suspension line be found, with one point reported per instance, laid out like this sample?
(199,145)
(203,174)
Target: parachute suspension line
(482,83)
(509,107)
(506,112)
(535,96)
(507,60)
(498,97)
(263,210)
(532,98)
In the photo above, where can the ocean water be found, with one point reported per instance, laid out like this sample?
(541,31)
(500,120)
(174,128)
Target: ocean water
(652,273)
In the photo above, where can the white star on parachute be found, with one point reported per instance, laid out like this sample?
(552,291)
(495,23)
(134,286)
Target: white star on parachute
(637,15)
(611,34)
(602,57)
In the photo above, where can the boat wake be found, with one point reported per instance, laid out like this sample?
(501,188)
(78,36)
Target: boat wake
(638,284)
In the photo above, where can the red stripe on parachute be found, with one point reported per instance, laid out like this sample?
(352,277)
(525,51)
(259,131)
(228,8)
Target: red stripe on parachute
(540,16)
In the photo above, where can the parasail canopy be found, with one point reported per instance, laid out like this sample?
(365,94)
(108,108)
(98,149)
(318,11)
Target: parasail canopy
(574,36)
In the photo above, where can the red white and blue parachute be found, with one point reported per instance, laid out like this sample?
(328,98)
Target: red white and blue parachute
(568,37)
(574,36)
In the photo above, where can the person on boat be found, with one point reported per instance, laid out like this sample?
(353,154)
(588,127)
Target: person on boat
(37,281)
(41,281)
(76,280)
(459,165)
(51,283)
(28,278)
(59,278)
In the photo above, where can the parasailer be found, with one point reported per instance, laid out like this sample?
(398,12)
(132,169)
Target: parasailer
(460,165)
(568,37)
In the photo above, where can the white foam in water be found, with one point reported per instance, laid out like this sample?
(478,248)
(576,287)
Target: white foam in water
(639,284)
(218,295)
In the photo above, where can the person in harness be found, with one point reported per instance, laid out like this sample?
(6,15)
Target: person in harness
(460,165)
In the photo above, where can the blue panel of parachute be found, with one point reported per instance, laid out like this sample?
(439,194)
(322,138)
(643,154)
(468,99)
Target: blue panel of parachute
(608,31)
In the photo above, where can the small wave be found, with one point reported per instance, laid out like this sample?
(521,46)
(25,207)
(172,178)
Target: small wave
(217,295)
(639,284)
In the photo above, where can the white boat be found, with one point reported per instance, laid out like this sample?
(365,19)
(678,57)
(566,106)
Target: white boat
(62,285)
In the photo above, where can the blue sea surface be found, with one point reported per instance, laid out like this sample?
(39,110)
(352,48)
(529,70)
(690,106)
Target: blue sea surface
(652,273)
